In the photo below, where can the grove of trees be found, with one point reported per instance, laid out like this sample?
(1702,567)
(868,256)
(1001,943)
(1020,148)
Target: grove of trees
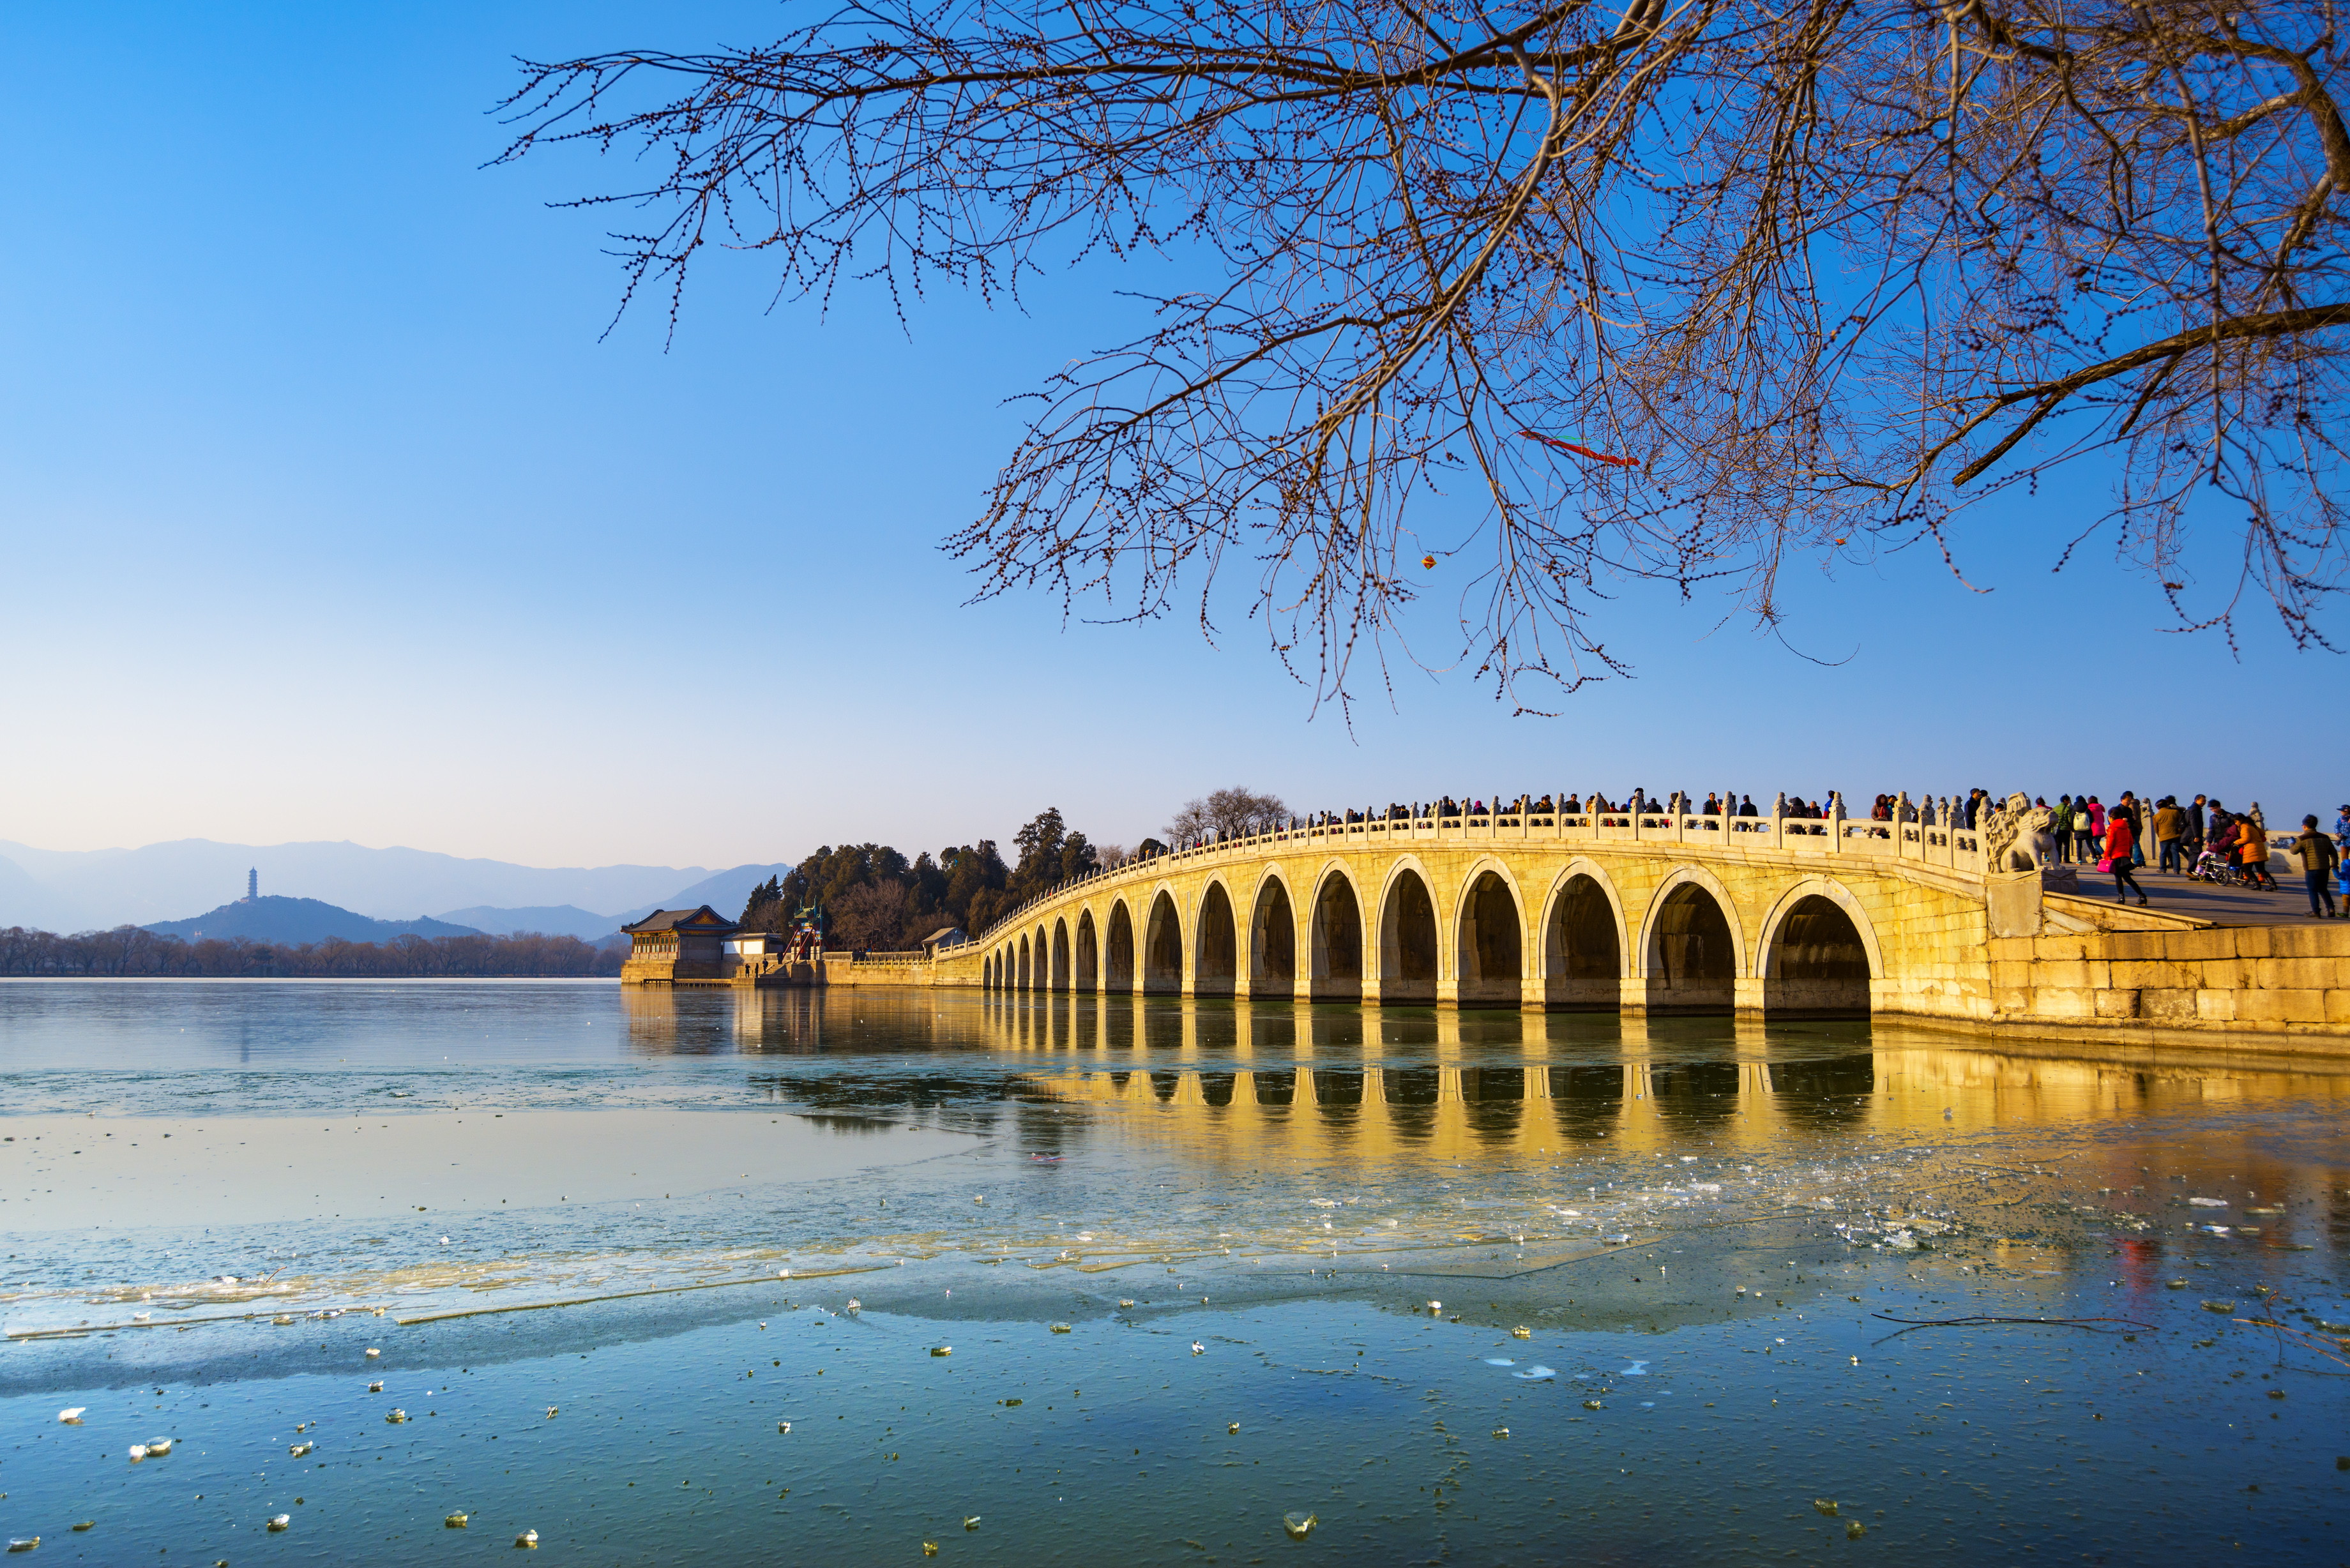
(1227,812)
(876,900)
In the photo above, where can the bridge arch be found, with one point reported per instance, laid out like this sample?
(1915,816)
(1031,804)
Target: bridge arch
(1061,966)
(1024,960)
(1118,956)
(1215,945)
(1410,941)
(1490,937)
(1335,937)
(1088,969)
(1162,944)
(1819,952)
(1582,945)
(1691,949)
(1273,937)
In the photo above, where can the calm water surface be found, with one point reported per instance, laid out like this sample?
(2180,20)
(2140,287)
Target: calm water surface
(1474,1287)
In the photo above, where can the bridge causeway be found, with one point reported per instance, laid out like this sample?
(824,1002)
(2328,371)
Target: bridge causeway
(1655,912)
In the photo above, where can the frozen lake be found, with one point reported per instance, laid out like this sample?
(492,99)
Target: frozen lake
(1699,1282)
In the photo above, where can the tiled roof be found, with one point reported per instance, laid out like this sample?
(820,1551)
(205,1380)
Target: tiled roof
(701,918)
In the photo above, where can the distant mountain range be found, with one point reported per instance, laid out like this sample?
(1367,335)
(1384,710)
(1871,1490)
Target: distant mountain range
(77,890)
(556,919)
(275,919)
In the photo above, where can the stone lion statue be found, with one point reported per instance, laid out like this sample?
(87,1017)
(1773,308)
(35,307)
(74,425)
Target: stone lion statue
(2016,835)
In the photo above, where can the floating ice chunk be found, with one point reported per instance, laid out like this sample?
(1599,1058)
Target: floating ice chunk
(375,1387)
(1061,1328)
(278,1521)
(300,1450)
(528,1539)
(373,1353)
(1638,1369)
(1537,1373)
(1499,1361)
(396,1418)
(942,1350)
(1199,1349)
(1299,1525)
(1522,1332)
(2209,1202)
(783,1426)
(970,1523)
(455,1522)
(22,1542)
(137,1452)
(71,1415)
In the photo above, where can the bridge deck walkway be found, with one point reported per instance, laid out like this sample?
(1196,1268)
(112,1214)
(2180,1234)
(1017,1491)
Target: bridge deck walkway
(2204,901)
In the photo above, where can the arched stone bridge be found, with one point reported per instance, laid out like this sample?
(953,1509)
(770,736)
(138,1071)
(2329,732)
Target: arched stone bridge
(1656,913)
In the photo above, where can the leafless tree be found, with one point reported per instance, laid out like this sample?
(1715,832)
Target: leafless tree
(1529,303)
(1229,812)
(872,917)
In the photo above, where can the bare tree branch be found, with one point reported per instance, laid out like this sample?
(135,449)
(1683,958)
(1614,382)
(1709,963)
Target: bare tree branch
(1824,270)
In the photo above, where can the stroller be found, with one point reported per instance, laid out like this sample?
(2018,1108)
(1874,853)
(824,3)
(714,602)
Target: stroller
(2211,865)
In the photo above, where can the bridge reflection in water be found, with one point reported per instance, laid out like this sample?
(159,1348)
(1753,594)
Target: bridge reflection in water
(1365,1081)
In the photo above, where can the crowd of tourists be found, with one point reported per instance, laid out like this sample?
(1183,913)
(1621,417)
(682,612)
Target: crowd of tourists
(2203,839)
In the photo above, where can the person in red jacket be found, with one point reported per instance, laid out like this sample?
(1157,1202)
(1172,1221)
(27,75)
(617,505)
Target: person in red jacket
(2119,842)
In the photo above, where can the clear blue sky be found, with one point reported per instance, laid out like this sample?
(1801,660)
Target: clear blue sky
(328,515)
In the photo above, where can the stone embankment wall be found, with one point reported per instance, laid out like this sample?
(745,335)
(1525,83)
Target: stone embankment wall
(2276,983)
